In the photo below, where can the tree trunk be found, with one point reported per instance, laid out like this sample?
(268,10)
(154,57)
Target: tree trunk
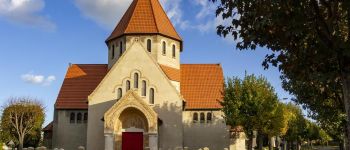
(345,78)
(271,142)
(342,144)
(20,146)
(250,143)
(260,141)
(285,143)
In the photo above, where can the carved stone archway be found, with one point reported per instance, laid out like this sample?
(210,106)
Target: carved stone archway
(131,111)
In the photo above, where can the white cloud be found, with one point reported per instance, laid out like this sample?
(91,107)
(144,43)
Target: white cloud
(38,79)
(26,12)
(106,13)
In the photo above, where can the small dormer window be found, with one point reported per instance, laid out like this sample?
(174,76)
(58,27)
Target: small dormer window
(151,96)
(144,87)
(112,52)
(120,48)
(136,80)
(120,93)
(149,45)
(72,117)
(195,117)
(209,117)
(79,118)
(174,51)
(127,86)
(202,117)
(164,48)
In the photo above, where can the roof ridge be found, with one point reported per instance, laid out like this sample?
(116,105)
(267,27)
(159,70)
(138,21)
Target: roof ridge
(171,24)
(154,17)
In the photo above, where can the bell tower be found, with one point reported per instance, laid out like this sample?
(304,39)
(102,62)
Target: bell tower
(146,22)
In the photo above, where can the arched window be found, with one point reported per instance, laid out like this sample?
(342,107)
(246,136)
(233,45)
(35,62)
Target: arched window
(164,48)
(209,117)
(120,48)
(195,117)
(127,86)
(149,46)
(151,96)
(136,80)
(79,118)
(202,118)
(72,117)
(112,52)
(120,93)
(174,54)
(144,87)
(85,117)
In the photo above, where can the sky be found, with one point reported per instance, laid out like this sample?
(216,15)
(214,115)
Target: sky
(39,38)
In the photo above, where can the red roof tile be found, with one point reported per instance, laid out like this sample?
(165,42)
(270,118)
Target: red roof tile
(48,127)
(172,73)
(202,85)
(145,17)
(80,81)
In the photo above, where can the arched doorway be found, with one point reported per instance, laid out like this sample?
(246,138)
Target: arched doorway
(131,119)
(134,129)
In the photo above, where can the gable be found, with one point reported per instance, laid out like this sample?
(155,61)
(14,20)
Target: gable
(135,59)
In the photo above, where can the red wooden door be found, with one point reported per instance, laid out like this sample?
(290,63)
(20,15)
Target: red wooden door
(132,141)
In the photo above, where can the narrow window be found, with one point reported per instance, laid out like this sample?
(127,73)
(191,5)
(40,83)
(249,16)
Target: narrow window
(72,117)
(149,46)
(209,117)
(112,52)
(79,118)
(164,48)
(144,87)
(151,96)
(202,118)
(127,85)
(120,93)
(195,117)
(136,80)
(120,48)
(174,54)
(85,117)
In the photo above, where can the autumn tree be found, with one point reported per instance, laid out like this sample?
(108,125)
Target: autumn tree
(308,41)
(252,103)
(22,119)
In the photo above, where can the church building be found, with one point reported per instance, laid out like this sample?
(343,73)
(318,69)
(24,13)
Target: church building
(144,98)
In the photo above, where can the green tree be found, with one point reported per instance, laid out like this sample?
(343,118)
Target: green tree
(297,126)
(309,42)
(252,104)
(22,119)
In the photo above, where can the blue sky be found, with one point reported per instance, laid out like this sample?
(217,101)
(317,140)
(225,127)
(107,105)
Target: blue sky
(39,38)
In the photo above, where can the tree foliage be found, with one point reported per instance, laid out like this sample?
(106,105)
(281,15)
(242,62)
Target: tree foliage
(22,119)
(309,42)
(252,103)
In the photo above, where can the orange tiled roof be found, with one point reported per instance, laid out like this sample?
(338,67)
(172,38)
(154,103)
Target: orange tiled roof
(145,17)
(171,73)
(79,82)
(48,127)
(202,85)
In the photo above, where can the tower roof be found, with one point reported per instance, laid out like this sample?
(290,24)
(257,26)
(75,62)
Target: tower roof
(145,17)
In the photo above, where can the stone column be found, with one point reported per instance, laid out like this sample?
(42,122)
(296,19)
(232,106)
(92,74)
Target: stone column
(109,141)
(153,141)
